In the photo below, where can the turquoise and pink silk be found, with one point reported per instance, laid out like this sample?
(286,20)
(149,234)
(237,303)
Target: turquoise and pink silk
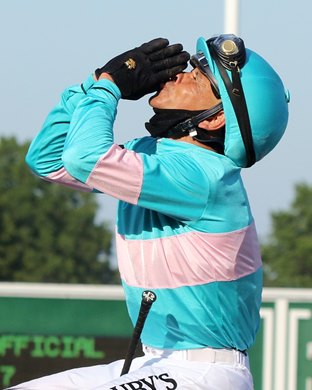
(184,225)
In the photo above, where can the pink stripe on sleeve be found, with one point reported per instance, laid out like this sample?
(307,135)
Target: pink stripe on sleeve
(118,173)
(189,259)
(63,177)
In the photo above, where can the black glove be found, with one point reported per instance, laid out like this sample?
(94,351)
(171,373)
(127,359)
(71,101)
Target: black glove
(141,71)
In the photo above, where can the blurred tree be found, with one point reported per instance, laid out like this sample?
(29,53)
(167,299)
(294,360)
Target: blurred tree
(287,255)
(48,232)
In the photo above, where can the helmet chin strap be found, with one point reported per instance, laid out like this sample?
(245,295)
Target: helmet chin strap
(176,123)
(190,126)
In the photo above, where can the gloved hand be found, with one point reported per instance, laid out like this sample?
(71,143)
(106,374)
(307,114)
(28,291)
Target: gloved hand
(140,71)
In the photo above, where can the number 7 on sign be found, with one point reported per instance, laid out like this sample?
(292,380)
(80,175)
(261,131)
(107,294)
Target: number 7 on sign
(7,373)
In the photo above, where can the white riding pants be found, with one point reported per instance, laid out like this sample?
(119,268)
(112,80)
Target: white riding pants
(199,369)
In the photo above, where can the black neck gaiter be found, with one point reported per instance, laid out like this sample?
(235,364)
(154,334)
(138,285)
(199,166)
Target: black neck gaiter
(163,122)
(165,119)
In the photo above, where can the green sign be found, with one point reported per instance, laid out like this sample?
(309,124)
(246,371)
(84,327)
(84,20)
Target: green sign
(46,329)
(25,357)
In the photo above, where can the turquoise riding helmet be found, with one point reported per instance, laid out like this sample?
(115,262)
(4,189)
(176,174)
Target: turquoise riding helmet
(254,99)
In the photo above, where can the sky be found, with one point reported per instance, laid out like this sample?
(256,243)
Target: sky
(48,45)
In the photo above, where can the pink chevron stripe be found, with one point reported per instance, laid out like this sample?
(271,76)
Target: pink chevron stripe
(189,259)
(63,177)
(118,173)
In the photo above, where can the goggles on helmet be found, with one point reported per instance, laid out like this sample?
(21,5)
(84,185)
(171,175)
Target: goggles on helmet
(230,50)
(199,61)
(229,55)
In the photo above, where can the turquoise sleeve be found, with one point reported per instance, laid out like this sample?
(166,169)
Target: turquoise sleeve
(90,134)
(45,153)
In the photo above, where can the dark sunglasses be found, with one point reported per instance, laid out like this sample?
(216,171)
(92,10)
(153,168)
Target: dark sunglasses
(199,60)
